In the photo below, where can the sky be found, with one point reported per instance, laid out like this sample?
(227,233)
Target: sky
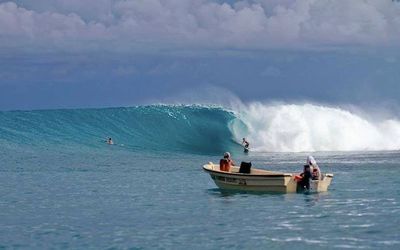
(107,53)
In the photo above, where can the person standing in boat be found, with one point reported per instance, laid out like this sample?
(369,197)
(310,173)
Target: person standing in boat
(226,162)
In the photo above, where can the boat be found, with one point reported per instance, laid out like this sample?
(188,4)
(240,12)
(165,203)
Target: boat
(260,180)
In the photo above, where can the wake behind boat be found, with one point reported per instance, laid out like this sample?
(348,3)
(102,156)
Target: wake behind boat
(262,180)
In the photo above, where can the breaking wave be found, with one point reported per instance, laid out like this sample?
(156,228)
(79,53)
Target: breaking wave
(201,129)
(308,127)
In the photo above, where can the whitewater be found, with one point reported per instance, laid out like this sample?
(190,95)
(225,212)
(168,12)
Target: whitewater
(203,128)
(310,127)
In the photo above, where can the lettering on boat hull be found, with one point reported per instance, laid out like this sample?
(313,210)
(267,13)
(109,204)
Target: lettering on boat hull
(229,180)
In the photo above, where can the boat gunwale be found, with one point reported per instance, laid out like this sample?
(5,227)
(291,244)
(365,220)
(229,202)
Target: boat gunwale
(246,175)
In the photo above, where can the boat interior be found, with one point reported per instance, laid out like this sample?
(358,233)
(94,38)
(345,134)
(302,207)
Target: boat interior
(235,169)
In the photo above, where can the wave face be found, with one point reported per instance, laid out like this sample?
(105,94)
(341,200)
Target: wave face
(196,129)
(200,129)
(298,128)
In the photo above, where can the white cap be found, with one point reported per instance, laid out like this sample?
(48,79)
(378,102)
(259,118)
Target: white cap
(227,155)
(311,160)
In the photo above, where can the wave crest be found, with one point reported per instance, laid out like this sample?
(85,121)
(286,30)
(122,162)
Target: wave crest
(308,127)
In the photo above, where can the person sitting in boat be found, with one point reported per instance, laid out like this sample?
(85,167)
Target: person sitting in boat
(245,143)
(226,163)
(316,172)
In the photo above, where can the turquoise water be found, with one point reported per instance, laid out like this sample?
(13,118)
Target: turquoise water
(149,128)
(149,191)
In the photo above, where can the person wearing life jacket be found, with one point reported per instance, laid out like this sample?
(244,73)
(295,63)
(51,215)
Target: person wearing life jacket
(226,162)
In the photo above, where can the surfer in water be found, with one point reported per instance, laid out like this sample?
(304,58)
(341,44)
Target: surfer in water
(246,145)
(110,141)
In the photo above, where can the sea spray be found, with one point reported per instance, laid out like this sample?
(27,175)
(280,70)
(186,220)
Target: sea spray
(308,127)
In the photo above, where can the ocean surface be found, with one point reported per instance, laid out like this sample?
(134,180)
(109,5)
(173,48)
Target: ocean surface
(62,186)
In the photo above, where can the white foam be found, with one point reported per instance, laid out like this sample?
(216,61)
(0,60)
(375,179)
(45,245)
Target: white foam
(309,127)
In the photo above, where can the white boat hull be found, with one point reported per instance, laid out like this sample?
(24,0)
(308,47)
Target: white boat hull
(261,180)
